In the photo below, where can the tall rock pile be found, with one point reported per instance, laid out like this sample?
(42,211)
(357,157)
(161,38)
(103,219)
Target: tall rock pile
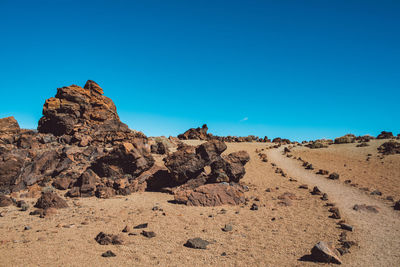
(81,145)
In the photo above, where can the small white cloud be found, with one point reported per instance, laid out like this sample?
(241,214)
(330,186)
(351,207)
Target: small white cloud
(244,119)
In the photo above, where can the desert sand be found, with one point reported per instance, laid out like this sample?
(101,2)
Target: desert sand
(277,234)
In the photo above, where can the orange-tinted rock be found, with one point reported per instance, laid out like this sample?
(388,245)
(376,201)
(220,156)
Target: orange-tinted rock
(9,125)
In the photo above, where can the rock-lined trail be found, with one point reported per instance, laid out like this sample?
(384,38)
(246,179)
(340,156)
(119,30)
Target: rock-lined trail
(378,232)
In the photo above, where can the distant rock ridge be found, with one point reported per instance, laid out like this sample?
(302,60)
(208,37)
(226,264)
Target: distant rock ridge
(201,134)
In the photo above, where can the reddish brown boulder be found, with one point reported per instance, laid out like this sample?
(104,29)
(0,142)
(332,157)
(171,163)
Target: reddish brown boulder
(73,106)
(198,133)
(211,195)
(62,183)
(50,200)
(184,164)
(9,125)
(127,159)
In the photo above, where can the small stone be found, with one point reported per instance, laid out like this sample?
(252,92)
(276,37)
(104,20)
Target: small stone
(303,186)
(335,213)
(254,207)
(127,229)
(141,226)
(223,254)
(397,205)
(108,253)
(333,176)
(376,192)
(27,228)
(324,197)
(148,234)
(227,228)
(316,191)
(197,243)
(347,227)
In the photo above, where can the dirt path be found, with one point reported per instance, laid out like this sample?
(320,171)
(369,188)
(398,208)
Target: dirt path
(379,234)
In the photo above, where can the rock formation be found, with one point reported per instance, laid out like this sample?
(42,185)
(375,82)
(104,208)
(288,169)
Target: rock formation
(81,145)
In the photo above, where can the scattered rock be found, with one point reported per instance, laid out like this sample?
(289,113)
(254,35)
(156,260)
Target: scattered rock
(5,201)
(347,227)
(323,172)
(359,207)
(141,226)
(325,252)
(227,228)
(303,186)
(333,176)
(397,205)
(348,138)
(254,207)
(148,234)
(197,243)
(108,253)
(376,192)
(107,239)
(335,213)
(324,197)
(127,229)
(316,191)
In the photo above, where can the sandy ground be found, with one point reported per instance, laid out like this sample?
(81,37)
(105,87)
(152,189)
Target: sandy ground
(378,233)
(275,235)
(350,162)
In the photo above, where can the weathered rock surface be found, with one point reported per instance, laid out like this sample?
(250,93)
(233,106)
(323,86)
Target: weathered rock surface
(50,200)
(325,252)
(385,135)
(195,133)
(80,137)
(9,125)
(211,195)
(109,239)
(197,243)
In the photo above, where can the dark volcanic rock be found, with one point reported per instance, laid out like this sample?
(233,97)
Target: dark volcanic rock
(195,133)
(389,148)
(107,239)
(108,253)
(325,252)
(126,159)
(50,200)
(333,176)
(197,243)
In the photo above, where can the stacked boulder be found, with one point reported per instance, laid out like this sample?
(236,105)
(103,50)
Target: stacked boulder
(188,175)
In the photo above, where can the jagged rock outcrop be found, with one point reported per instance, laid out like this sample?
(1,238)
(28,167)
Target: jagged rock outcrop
(81,145)
(385,135)
(348,138)
(9,125)
(195,133)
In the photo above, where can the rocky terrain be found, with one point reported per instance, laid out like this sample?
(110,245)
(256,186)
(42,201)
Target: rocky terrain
(86,185)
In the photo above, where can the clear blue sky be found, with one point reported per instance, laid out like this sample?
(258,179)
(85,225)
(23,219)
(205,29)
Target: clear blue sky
(296,69)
